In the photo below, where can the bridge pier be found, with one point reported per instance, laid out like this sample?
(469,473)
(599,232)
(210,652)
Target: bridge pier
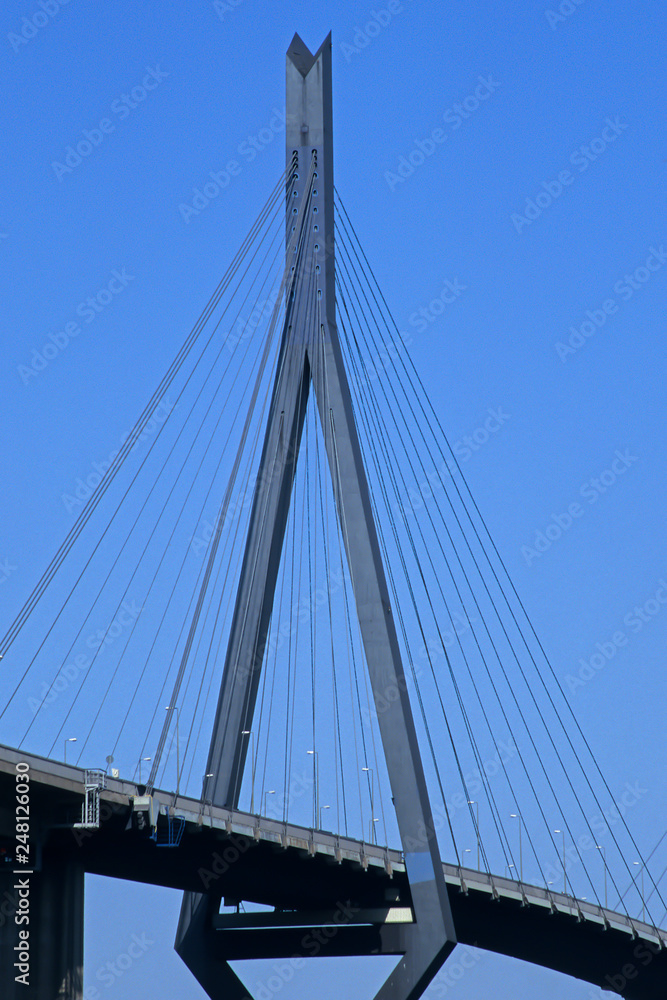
(52,897)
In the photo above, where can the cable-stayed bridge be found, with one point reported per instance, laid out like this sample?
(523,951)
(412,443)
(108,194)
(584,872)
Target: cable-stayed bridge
(289,559)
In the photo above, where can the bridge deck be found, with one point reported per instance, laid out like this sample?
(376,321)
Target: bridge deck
(247,857)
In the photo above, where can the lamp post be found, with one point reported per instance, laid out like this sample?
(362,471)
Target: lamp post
(249,732)
(72,739)
(271,791)
(369,770)
(473,802)
(321,808)
(518,816)
(508,869)
(316,777)
(598,847)
(641,868)
(564,871)
(467,850)
(173,708)
(140,761)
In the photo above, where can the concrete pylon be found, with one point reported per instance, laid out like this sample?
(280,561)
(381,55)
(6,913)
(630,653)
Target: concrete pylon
(311,358)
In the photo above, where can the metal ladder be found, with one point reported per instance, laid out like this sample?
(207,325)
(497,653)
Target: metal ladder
(94,781)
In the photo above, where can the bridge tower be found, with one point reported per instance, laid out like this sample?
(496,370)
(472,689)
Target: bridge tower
(311,359)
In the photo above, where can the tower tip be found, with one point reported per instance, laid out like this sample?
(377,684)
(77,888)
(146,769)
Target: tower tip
(300,55)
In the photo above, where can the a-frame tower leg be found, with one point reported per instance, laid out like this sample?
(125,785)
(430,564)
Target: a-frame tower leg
(313,357)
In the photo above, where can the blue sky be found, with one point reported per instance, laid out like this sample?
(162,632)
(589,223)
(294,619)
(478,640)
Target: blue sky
(540,199)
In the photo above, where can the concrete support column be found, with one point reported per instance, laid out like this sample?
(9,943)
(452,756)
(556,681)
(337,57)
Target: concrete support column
(55,897)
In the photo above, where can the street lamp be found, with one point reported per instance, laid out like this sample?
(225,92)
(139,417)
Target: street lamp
(249,732)
(369,770)
(173,708)
(316,777)
(508,869)
(271,791)
(321,808)
(604,863)
(472,802)
(564,871)
(467,850)
(641,868)
(72,739)
(140,760)
(518,816)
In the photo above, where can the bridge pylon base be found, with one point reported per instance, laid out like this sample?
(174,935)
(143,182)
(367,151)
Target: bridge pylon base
(207,941)
(52,898)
